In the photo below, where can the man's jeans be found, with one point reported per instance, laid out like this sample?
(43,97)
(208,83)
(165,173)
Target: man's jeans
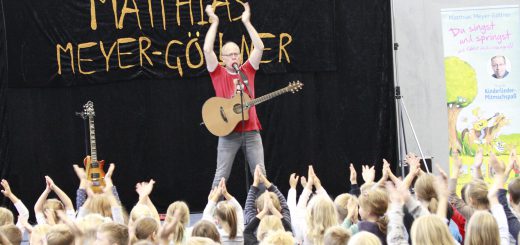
(228,147)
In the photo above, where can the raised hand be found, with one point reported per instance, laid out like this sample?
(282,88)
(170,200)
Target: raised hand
(144,188)
(513,161)
(352,209)
(246,15)
(457,165)
(479,158)
(7,189)
(496,164)
(303,181)
(257,178)
(353,174)
(293,180)
(80,172)
(414,163)
(310,180)
(368,173)
(108,177)
(213,18)
(49,182)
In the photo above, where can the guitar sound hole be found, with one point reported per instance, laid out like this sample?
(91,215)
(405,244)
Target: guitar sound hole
(237,109)
(94,175)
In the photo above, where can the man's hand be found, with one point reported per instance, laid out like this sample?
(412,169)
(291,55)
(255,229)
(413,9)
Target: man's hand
(213,18)
(246,15)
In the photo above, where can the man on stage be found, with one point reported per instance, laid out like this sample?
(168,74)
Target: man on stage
(227,83)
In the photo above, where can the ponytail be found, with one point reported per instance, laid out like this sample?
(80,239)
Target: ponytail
(432,206)
(382,224)
(226,213)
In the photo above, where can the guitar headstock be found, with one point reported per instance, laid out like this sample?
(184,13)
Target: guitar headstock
(88,109)
(295,86)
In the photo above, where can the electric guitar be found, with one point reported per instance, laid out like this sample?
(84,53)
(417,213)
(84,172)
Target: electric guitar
(221,115)
(93,167)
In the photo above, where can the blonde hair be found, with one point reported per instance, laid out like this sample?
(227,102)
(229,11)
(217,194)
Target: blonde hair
(145,228)
(430,230)
(99,204)
(268,224)
(200,241)
(336,235)
(274,198)
(476,194)
(321,214)
(341,203)
(180,227)
(38,233)
(13,233)
(226,213)
(482,229)
(279,237)
(53,205)
(425,190)
(6,216)
(115,233)
(364,238)
(205,228)
(375,201)
(140,211)
(60,235)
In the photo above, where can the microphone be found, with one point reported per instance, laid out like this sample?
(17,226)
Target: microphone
(235,66)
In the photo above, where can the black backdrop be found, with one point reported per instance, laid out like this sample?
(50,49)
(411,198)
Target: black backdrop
(149,124)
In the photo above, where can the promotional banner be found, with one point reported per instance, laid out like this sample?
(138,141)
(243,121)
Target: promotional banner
(68,43)
(482,66)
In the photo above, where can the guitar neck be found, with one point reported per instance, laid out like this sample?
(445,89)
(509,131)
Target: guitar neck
(267,97)
(93,152)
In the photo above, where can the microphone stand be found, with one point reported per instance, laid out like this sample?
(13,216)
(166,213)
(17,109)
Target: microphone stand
(243,80)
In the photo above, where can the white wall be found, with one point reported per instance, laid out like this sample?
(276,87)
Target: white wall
(420,70)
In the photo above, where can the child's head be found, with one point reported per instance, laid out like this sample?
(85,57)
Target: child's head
(431,230)
(425,191)
(140,211)
(514,191)
(279,237)
(100,204)
(51,206)
(38,234)
(146,228)
(261,200)
(341,203)
(374,203)
(13,233)
(227,216)
(184,215)
(476,194)
(336,235)
(364,238)
(268,224)
(482,229)
(60,235)
(205,228)
(200,241)
(321,214)
(112,234)
(6,216)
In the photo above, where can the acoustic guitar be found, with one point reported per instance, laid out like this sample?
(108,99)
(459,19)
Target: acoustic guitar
(221,115)
(93,166)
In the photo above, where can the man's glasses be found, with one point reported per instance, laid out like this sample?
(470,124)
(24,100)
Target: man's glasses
(232,54)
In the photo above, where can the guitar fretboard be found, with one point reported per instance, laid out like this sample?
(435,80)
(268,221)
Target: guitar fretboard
(92,130)
(267,97)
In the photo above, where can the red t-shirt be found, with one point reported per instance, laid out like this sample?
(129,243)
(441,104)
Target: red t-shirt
(225,87)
